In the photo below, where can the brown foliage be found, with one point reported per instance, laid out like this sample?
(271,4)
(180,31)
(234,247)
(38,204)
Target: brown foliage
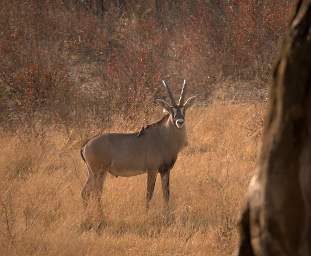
(65,59)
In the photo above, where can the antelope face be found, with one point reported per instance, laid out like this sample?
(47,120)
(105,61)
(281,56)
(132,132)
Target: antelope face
(178,116)
(176,110)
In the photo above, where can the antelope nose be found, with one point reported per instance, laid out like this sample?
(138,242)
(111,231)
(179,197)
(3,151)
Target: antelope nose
(179,123)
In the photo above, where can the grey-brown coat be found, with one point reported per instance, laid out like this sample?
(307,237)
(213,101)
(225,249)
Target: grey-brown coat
(154,149)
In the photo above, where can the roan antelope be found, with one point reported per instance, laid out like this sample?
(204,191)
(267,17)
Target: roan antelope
(153,149)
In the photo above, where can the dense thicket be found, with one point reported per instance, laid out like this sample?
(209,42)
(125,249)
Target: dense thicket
(82,58)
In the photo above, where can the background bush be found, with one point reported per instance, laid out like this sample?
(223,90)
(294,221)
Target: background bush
(69,61)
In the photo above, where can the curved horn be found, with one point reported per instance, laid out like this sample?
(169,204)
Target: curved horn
(163,102)
(170,94)
(182,94)
(189,101)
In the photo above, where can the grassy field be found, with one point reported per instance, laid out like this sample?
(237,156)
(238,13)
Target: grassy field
(41,176)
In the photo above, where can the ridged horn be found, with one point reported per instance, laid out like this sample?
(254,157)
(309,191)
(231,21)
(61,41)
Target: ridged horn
(182,94)
(170,94)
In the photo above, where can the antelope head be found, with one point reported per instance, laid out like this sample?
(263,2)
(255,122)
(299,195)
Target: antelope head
(177,111)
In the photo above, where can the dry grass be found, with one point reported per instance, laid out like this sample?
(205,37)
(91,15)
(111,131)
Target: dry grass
(41,179)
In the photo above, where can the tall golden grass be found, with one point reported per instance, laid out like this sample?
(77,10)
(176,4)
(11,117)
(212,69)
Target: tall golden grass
(41,178)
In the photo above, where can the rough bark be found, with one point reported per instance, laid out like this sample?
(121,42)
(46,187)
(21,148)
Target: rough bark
(276,219)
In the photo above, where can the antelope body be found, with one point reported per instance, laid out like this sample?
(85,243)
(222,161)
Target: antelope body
(154,149)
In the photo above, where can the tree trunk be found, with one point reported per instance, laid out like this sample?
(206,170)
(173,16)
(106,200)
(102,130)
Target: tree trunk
(276,220)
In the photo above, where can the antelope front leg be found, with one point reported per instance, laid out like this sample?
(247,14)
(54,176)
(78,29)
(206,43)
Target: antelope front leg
(165,180)
(151,179)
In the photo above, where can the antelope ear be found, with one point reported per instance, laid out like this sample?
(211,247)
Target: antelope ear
(165,111)
(189,102)
(167,107)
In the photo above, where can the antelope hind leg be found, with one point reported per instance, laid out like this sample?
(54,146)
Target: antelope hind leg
(87,189)
(98,188)
(94,212)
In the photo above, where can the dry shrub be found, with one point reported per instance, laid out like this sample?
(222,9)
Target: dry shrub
(61,61)
(41,179)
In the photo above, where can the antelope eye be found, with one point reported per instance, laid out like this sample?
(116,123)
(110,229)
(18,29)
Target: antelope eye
(182,110)
(174,112)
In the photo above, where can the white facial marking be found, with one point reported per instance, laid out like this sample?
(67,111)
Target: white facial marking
(179,123)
